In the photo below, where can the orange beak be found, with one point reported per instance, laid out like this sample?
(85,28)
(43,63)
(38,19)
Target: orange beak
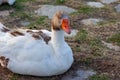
(65,26)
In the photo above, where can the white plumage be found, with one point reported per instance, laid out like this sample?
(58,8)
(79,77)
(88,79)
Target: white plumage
(30,52)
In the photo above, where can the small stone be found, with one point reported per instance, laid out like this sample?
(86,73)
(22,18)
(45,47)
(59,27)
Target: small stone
(25,23)
(91,21)
(108,1)
(95,4)
(4,13)
(117,8)
(111,46)
(50,10)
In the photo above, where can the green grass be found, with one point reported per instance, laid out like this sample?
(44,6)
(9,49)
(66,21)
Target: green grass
(14,77)
(22,15)
(24,0)
(39,21)
(81,36)
(17,6)
(77,49)
(58,2)
(99,77)
(86,10)
(95,42)
(96,46)
(115,38)
(87,60)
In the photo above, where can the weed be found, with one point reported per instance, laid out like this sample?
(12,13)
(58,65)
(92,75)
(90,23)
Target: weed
(96,46)
(22,15)
(14,77)
(87,60)
(24,0)
(77,49)
(60,2)
(81,36)
(39,21)
(86,10)
(17,6)
(115,38)
(99,77)
(95,42)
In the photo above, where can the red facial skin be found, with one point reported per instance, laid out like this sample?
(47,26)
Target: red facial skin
(66,26)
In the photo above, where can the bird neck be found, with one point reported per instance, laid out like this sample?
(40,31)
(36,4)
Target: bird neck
(57,37)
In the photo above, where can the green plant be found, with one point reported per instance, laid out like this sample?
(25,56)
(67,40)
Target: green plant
(115,38)
(39,21)
(96,46)
(14,77)
(24,0)
(99,77)
(22,15)
(81,36)
(60,1)
(86,9)
(95,42)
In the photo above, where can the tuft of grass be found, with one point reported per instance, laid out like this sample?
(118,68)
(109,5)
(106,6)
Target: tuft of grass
(86,10)
(99,77)
(22,15)
(24,0)
(115,38)
(87,60)
(96,46)
(14,77)
(5,7)
(83,9)
(39,21)
(60,2)
(95,42)
(17,6)
(81,36)
(77,49)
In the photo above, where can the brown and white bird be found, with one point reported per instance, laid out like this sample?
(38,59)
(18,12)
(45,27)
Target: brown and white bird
(34,52)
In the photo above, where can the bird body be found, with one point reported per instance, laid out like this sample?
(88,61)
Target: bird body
(33,52)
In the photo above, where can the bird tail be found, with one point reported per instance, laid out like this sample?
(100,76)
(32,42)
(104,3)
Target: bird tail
(4,61)
(3,28)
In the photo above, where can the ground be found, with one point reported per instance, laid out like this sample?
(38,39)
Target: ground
(87,46)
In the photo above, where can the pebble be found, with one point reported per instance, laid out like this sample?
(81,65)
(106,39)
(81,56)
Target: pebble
(117,8)
(95,4)
(50,10)
(91,21)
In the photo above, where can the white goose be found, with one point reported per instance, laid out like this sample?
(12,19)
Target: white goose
(32,52)
(10,2)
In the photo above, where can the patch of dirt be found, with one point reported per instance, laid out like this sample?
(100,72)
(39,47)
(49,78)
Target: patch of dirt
(109,66)
(5,74)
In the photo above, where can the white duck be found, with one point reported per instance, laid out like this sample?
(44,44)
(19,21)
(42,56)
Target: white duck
(10,2)
(32,52)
